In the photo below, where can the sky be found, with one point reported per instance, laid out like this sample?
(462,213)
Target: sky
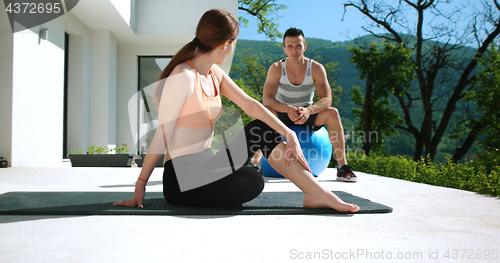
(318,19)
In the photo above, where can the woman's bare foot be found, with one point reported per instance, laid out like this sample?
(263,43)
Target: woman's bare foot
(327,199)
(316,196)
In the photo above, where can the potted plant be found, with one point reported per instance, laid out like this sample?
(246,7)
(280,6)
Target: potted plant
(97,156)
(3,163)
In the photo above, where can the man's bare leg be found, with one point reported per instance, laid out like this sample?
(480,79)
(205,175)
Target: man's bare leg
(331,118)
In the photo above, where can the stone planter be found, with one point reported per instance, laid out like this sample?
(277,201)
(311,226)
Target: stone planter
(100,160)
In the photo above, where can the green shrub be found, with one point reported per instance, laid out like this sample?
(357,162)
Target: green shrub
(489,158)
(93,149)
(469,176)
(76,152)
(122,150)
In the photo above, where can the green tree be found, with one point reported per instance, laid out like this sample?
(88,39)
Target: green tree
(252,72)
(387,71)
(485,118)
(266,13)
(330,68)
(444,68)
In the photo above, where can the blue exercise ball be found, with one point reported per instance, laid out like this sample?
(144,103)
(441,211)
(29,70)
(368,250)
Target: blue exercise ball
(315,146)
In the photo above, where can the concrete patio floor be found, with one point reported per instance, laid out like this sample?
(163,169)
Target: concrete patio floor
(428,224)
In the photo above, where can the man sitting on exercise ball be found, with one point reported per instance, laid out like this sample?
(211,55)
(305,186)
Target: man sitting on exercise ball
(289,91)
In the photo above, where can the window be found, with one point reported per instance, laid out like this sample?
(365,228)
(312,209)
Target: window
(150,68)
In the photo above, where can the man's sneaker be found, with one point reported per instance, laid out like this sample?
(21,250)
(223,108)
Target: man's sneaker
(345,174)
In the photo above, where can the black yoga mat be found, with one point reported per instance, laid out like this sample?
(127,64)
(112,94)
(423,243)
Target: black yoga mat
(100,203)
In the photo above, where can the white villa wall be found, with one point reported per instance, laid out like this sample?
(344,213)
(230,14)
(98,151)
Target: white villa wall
(6,58)
(33,121)
(37,97)
(102,75)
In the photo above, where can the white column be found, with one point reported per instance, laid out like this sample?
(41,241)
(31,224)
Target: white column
(102,107)
(78,92)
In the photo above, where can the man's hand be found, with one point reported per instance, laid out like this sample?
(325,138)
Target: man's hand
(294,114)
(304,114)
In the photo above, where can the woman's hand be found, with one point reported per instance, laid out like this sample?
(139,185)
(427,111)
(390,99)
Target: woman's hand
(137,198)
(293,150)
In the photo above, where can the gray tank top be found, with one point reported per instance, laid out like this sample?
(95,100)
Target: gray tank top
(298,96)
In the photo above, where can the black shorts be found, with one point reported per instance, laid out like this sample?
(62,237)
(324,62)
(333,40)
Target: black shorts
(283,116)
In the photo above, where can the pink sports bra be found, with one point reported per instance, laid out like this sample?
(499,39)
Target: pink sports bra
(200,110)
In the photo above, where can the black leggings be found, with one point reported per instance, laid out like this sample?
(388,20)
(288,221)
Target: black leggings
(241,185)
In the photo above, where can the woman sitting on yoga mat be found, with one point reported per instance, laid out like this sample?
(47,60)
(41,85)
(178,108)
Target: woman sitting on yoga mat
(189,102)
